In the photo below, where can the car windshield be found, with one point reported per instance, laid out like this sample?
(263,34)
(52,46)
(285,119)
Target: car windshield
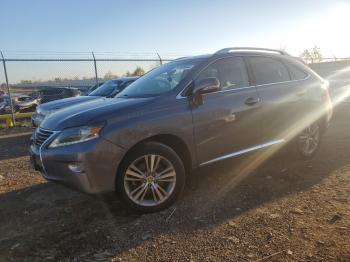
(159,80)
(107,88)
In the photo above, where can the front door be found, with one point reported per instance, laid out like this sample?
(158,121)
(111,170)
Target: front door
(226,124)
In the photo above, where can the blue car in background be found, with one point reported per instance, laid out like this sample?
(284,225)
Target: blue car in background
(109,89)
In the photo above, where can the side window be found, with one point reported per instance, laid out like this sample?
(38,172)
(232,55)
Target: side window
(231,73)
(268,70)
(295,72)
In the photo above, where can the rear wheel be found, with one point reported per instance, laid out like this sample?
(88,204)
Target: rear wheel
(308,141)
(151,177)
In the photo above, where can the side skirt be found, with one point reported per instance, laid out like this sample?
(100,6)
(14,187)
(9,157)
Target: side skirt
(244,151)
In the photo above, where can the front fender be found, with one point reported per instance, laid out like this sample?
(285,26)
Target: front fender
(135,127)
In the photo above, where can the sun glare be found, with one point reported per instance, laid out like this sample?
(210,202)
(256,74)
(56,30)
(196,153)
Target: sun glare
(329,30)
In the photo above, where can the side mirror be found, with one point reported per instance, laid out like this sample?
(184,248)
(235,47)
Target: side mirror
(204,86)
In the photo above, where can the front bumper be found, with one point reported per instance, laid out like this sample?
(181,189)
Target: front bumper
(98,159)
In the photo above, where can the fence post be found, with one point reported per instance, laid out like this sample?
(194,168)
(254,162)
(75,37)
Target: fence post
(8,89)
(96,78)
(160,59)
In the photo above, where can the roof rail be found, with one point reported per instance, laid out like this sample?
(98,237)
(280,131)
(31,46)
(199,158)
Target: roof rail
(229,49)
(179,58)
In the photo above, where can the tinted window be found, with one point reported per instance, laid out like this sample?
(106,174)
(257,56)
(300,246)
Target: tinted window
(268,70)
(295,72)
(121,87)
(231,73)
(107,88)
(50,92)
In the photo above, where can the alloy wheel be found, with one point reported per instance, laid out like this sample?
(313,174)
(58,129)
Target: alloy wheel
(309,139)
(150,180)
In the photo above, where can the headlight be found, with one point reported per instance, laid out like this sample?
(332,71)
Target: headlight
(76,135)
(43,113)
(38,117)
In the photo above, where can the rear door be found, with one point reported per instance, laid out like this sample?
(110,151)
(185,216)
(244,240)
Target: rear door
(280,97)
(226,122)
(307,94)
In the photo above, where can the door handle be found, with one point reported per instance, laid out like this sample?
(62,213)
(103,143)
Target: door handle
(252,101)
(301,93)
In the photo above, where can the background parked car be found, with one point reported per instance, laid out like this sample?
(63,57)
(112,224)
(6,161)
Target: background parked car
(20,103)
(4,105)
(92,88)
(54,93)
(25,103)
(109,89)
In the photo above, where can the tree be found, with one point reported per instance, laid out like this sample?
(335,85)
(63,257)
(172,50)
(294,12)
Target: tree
(110,75)
(316,54)
(139,71)
(26,81)
(306,56)
(312,56)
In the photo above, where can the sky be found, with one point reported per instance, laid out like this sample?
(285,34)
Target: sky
(32,27)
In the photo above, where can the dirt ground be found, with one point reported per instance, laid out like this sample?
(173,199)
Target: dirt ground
(237,210)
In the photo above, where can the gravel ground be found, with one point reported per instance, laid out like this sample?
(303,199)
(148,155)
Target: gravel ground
(237,210)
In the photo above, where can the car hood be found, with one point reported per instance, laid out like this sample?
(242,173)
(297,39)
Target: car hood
(97,110)
(61,103)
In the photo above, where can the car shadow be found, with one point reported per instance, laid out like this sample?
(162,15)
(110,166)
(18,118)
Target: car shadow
(16,145)
(51,220)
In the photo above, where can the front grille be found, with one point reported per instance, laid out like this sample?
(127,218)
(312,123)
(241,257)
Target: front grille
(41,135)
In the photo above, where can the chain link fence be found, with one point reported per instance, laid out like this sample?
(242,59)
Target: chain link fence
(36,78)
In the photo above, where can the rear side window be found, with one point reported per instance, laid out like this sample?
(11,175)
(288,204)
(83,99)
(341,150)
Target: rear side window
(295,72)
(231,72)
(52,92)
(268,70)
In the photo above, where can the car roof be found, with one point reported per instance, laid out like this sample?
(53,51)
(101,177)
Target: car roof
(124,78)
(197,57)
(57,87)
(227,52)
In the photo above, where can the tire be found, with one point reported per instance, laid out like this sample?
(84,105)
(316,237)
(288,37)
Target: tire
(307,143)
(142,188)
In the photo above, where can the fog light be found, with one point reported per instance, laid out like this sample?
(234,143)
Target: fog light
(76,167)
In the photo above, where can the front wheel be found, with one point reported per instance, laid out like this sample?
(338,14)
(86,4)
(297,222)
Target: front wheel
(308,141)
(151,177)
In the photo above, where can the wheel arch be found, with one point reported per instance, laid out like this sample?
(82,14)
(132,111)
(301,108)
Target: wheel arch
(172,141)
